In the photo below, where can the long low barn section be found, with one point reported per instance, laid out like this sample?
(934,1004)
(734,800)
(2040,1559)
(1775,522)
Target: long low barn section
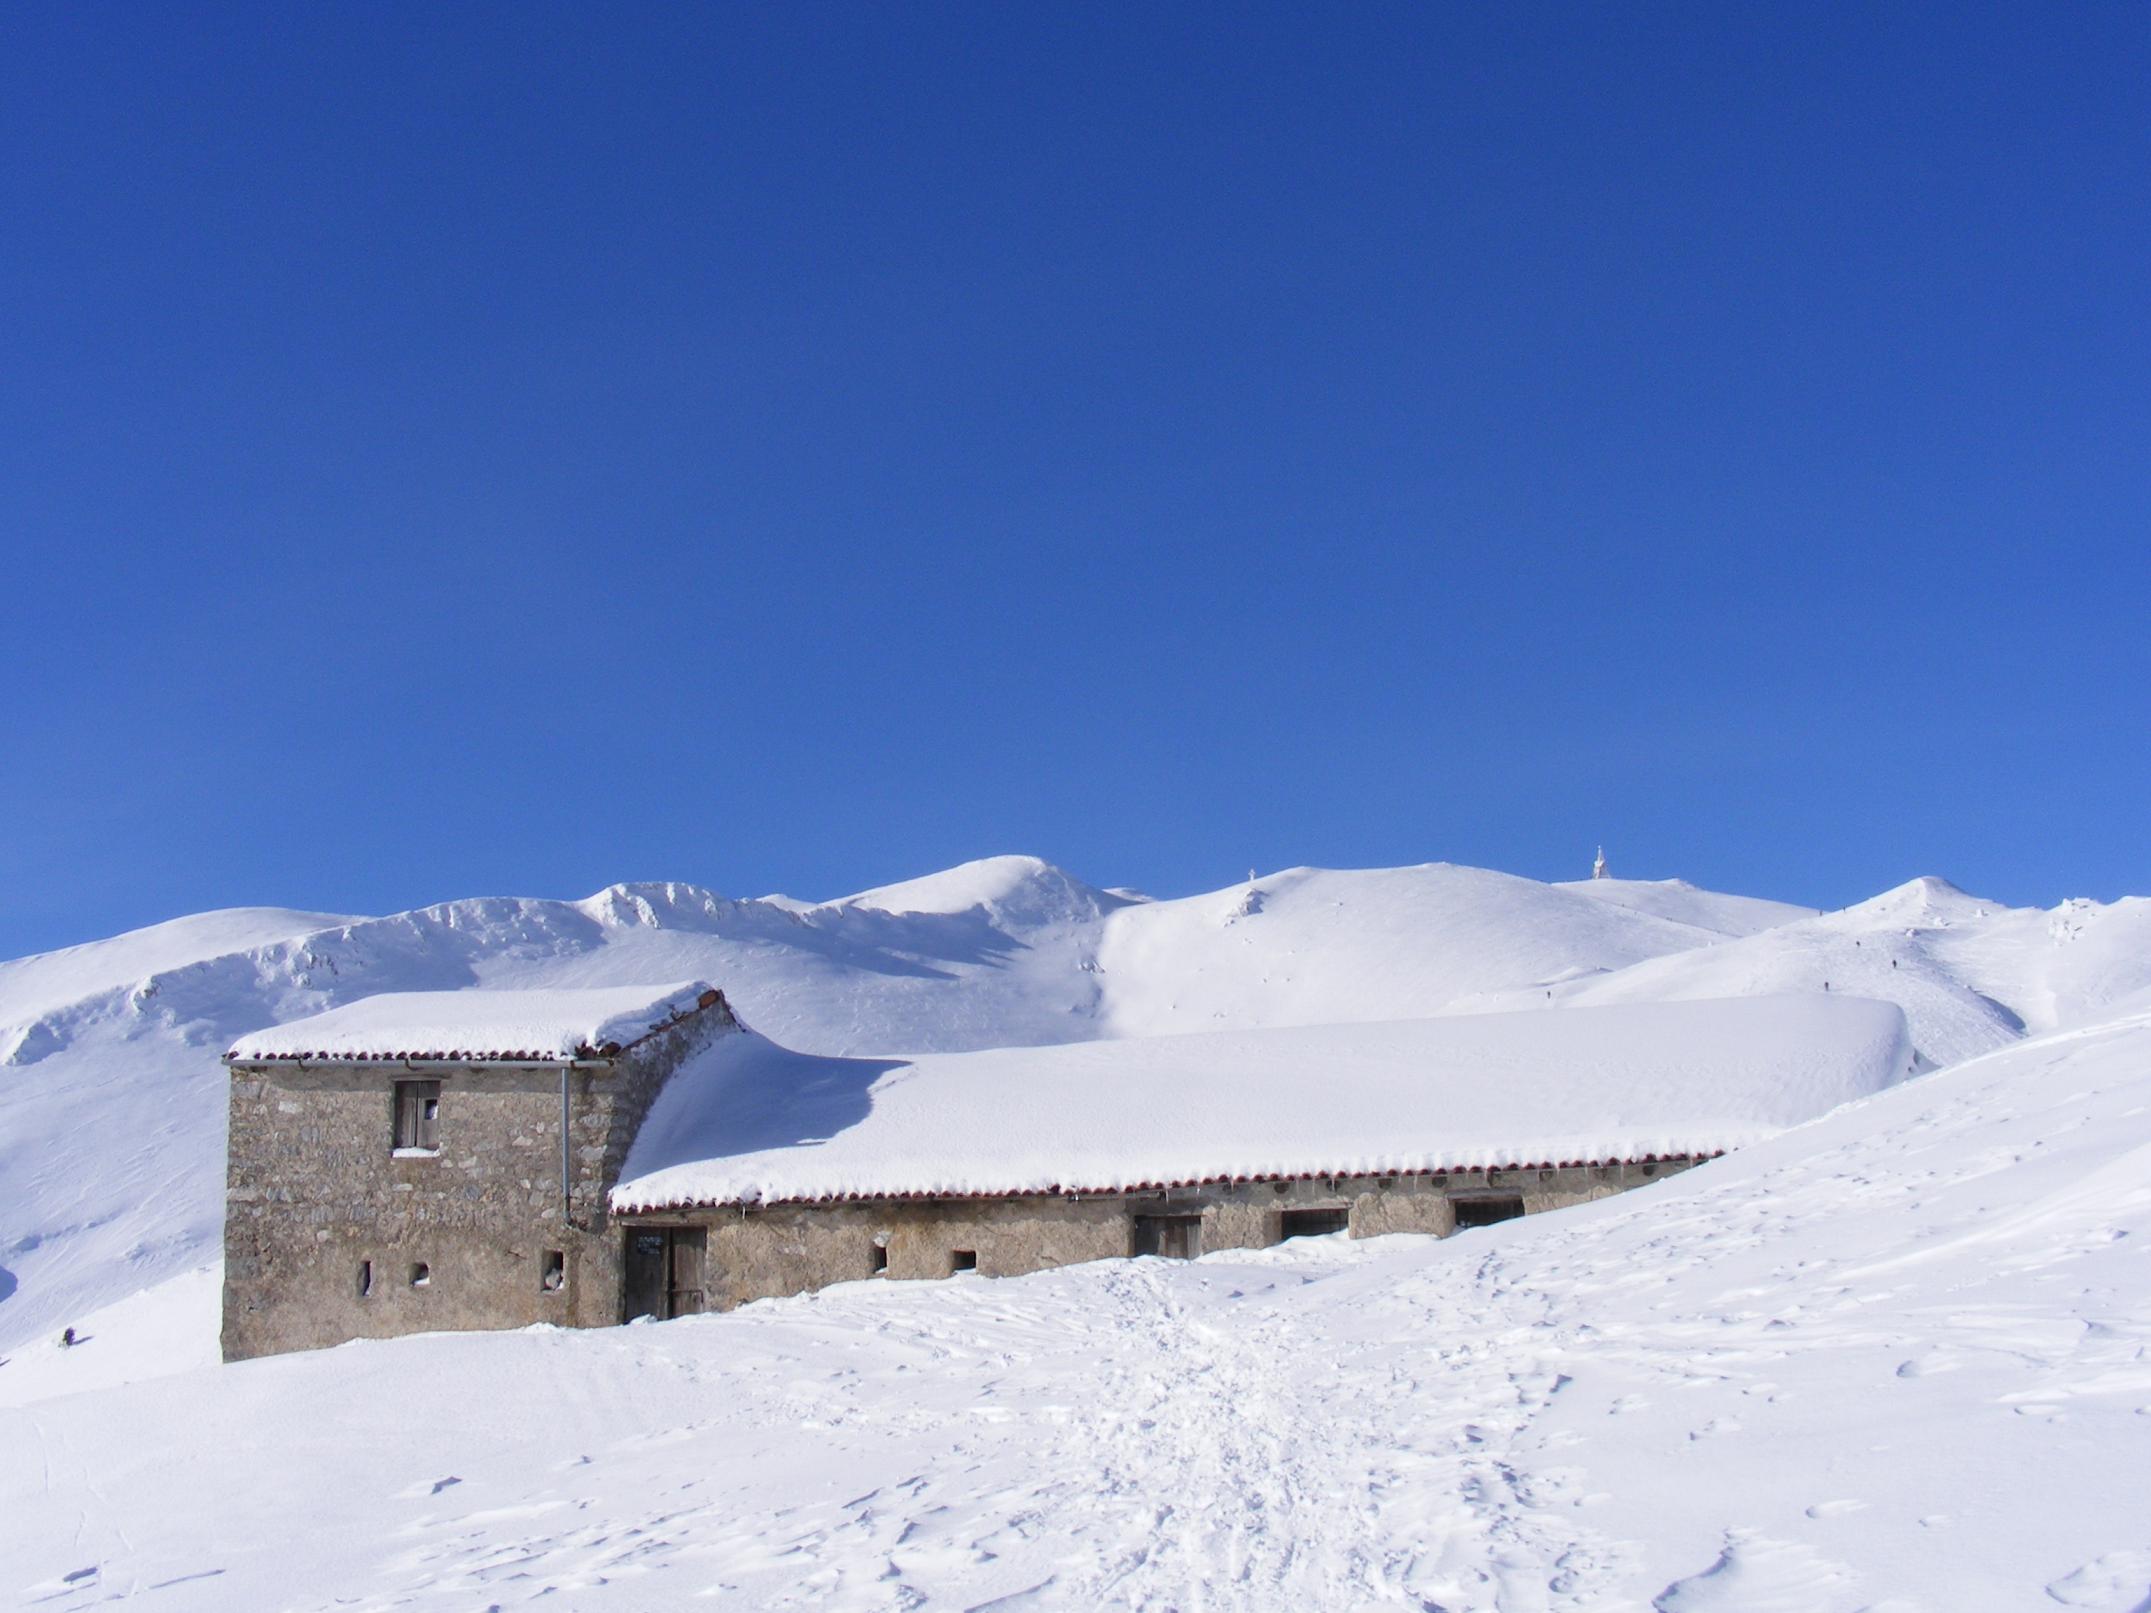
(751,1123)
(763,1172)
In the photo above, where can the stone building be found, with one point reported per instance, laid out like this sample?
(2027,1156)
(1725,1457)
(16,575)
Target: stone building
(492,1159)
(424,1160)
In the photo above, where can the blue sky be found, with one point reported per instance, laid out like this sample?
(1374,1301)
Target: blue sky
(469,450)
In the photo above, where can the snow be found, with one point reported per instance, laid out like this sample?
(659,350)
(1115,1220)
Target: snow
(152,1333)
(749,1122)
(554,1024)
(1027,888)
(1684,903)
(112,1100)
(1319,946)
(1890,1360)
(37,985)
(1971,975)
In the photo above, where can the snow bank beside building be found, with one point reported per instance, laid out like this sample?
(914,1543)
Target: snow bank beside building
(750,1122)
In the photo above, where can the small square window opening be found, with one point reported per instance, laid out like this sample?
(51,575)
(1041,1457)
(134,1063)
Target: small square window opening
(421,1274)
(1485,1212)
(962,1260)
(1313,1223)
(553,1271)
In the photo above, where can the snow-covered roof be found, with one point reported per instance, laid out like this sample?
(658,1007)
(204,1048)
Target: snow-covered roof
(749,1122)
(480,1026)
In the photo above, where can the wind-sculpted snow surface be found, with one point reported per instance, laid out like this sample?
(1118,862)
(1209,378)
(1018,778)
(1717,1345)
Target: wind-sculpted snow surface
(1895,1360)
(30,987)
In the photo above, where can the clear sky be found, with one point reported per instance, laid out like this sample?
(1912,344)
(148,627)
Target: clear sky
(450,450)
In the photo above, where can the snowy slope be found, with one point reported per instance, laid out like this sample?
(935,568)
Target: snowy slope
(1318,946)
(1684,903)
(36,987)
(1970,974)
(1893,1361)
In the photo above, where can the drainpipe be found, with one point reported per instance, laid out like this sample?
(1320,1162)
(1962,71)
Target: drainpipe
(566,1186)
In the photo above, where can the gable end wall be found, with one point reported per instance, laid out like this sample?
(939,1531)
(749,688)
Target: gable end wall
(313,1189)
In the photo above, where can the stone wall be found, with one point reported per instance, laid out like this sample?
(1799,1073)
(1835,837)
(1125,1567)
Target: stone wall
(764,1253)
(316,1195)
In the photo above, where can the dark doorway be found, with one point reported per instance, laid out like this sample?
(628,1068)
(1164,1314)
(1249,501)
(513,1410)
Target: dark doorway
(1485,1212)
(664,1271)
(1312,1223)
(1174,1237)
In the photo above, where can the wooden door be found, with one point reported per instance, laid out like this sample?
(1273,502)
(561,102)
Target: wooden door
(646,1265)
(664,1272)
(1173,1237)
(683,1271)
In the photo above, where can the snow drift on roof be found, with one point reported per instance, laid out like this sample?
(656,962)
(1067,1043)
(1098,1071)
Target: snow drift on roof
(477,1025)
(750,1122)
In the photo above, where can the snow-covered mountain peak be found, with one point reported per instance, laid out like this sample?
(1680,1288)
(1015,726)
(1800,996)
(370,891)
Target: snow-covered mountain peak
(1925,901)
(654,905)
(1685,903)
(1018,889)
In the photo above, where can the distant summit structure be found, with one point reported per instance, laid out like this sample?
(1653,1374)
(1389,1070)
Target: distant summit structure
(1598,866)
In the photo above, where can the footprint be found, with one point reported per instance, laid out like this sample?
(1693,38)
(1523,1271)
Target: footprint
(1755,1574)
(1835,1509)
(1930,1363)
(2114,1583)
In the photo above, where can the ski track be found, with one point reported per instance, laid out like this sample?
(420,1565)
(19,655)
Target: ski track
(1183,1480)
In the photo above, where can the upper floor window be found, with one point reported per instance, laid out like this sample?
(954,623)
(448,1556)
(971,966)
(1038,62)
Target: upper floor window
(418,1115)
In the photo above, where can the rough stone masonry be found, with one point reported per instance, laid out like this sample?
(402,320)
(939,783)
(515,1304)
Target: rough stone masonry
(333,1232)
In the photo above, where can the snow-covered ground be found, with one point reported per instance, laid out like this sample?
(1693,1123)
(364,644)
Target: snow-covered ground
(1896,1359)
